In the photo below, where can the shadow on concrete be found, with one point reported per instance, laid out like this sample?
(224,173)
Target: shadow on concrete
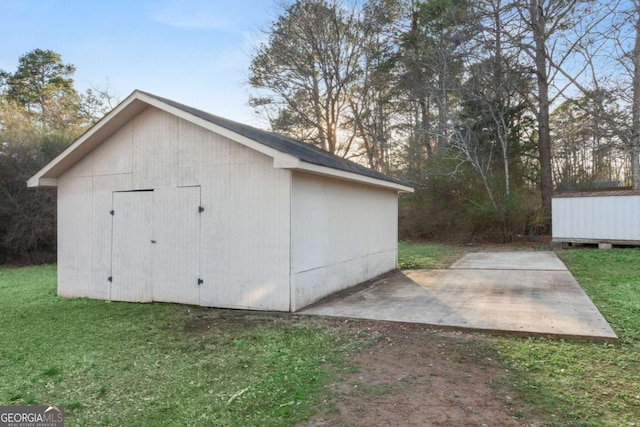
(499,293)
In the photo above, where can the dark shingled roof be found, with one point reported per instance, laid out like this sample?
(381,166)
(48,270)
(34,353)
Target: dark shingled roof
(303,151)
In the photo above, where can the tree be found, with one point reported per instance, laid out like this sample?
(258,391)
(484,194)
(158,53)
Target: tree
(554,31)
(430,62)
(43,85)
(308,70)
(587,146)
(620,83)
(495,93)
(635,123)
(27,216)
(40,114)
(372,110)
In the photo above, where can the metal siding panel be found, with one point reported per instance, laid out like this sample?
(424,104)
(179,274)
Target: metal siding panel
(586,223)
(359,236)
(239,154)
(308,208)
(176,253)
(343,275)
(74,236)
(114,156)
(258,235)
(384,219)
(103,188)
(199,150)
(563,211)
(155,149)
(565,226)
(83,168)
(557,218)
(576,226)
(583,218)
(621,208)
(607,221)
(337,239)
(634,218)
(598,226)
(381,263)
(214,253)
(307,286)
(362,212)
(598,218)
(131,256)
(570,226)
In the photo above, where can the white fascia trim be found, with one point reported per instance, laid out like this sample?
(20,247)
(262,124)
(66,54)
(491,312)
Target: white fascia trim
(350,176)
(42,182)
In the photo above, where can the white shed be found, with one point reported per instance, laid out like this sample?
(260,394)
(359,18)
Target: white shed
(163,202)
(603,217)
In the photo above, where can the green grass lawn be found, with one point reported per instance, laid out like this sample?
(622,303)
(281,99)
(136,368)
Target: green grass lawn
(589,384)
(165,364)
(578,383)
(413,256)
(155,364)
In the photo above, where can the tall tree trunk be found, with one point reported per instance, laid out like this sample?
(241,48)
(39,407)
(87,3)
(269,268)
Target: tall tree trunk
(498,78)
(425,123)
(443,109)
(635,131)
(317,109)
(544,134)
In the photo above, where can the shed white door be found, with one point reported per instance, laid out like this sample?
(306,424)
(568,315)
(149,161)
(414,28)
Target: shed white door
(156,246)
(131,257)
(176,257)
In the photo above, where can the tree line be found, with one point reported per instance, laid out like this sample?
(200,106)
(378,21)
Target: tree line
(41,113)
(486,107)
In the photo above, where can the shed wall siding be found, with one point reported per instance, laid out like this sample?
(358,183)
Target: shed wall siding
(75,237)
(244,236)
(342,234)
(598,218)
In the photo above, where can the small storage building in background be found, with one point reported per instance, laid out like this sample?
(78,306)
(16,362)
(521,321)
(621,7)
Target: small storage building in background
(162,202)
(603,217)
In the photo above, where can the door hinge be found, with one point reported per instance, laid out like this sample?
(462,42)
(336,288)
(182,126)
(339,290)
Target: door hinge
(112,212)
(200,209)
(110,279)
(200,281)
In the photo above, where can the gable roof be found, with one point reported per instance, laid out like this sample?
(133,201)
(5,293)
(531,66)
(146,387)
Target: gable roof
(287,153)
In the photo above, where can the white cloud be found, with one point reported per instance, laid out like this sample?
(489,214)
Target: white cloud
(196,15)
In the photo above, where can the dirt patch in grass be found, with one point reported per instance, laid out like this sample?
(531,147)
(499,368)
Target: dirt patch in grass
(405,374)
(388,374)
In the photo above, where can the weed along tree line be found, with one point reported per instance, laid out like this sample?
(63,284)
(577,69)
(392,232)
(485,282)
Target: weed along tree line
(484,107)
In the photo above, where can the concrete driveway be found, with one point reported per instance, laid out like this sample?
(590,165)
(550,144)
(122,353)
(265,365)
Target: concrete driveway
(525,293)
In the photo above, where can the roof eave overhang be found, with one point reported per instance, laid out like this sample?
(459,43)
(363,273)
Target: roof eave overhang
(311,168)
(47,176)
(138,101)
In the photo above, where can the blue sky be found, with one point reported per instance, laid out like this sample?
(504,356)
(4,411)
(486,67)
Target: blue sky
(193,51)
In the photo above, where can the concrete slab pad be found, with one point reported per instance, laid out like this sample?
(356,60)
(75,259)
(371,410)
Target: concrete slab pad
(525,302)
(511,261)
